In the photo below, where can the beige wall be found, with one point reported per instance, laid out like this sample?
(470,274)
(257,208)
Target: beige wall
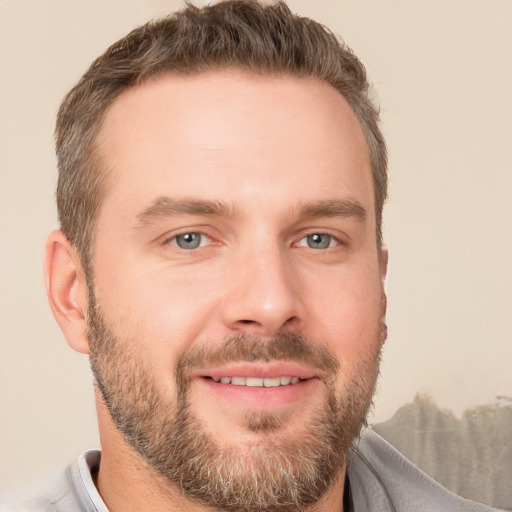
(443,73)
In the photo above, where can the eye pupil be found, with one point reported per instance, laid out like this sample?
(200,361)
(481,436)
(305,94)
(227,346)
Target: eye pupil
(188,240)
(319,241)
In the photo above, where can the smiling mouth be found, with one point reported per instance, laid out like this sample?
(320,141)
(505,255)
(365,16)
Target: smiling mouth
(267,382)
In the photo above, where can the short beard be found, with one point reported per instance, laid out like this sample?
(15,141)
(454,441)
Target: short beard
(276,474)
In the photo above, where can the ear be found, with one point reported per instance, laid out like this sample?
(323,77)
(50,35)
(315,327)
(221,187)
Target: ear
(66,288)
(383,263)
(383,269)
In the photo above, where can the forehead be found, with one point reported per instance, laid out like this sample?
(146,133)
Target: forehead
(227,133)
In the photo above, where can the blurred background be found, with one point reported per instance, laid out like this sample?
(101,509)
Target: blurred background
(442,72)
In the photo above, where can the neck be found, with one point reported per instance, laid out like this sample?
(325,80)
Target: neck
(125,480)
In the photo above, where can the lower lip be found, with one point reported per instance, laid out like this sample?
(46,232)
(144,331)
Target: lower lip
(261,397)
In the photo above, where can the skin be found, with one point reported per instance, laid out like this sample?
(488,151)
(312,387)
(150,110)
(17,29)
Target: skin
(267,148)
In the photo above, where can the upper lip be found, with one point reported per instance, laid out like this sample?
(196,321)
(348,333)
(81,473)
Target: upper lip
(259,370)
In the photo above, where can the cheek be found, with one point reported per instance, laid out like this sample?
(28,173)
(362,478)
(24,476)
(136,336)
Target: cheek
(349,316)
(164,310)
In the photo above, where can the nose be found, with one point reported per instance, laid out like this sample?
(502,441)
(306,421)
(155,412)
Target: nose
(262,296)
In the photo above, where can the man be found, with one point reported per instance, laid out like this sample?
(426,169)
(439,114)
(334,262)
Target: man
(221,183)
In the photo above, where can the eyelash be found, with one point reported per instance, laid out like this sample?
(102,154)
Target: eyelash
(205,240)
(332,242)
(202,237)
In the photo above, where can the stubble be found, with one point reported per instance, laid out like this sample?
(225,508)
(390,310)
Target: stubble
(276,474)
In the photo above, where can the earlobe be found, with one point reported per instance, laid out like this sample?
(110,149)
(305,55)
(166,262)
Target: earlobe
(66,288)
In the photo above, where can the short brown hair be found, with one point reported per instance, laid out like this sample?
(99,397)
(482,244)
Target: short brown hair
(263,39)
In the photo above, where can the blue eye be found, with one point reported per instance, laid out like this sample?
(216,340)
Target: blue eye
(318,241)
(190,241)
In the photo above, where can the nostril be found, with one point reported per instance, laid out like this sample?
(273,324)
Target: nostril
(290,320)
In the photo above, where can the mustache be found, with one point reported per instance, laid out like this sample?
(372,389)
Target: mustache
(286,346)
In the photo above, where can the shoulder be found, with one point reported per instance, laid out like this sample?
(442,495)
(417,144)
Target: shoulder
(383,479)
(41,495)
(62,491)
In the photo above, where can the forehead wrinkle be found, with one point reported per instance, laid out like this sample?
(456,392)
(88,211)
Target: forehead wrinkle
(164,206)
(334,208)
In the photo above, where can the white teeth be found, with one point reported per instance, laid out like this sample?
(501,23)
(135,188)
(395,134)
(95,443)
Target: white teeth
(253,381)
(269,382)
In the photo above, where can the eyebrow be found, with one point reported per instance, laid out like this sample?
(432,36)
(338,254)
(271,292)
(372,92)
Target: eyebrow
(163,207)
(334,208)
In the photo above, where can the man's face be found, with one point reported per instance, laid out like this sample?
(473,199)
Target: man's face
(237,283)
